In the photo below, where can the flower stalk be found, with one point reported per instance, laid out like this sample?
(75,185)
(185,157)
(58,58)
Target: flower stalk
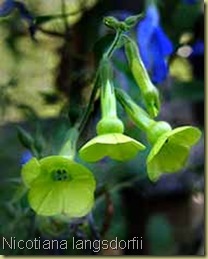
(153,129)
(68,149)
(109,123)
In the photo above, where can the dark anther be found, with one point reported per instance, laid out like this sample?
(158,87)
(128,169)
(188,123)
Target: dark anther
(58,172)
(60,175)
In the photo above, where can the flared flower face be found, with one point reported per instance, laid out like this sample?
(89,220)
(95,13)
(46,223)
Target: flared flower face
(170,152)
(114,145)
(59,186)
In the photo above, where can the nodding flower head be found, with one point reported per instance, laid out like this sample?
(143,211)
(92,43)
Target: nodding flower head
(59,186)
(110,142)
(171,150)
(154,45)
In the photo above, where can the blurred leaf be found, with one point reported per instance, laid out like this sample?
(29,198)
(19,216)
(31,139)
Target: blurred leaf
(25,138)
(160,235)
(19,193)
(28,111)
(192,91)
(117,226)
(185,16)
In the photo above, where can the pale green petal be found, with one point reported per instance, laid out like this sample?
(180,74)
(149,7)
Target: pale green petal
(45,197)
(50,199)
(186,135)
(30,171)
(116,146)
(156,147)
(77,201)
(171,158)
(170,152)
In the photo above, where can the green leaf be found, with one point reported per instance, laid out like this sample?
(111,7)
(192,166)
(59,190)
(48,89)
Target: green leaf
(164,243)
(25,138)
(192,91)
(115,145)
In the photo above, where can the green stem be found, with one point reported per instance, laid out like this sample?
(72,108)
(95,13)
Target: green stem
(69,147)
(114,44)
(89,108)
(136,113)
(108,99)
(153,129)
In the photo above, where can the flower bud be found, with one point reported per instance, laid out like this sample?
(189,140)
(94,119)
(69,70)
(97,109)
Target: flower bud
(148,90)
(111,22)
(131,21)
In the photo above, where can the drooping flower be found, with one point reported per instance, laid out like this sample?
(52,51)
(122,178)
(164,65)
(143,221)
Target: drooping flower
(59,186)
(171,151)
(170,147)
(110,142)
(154,45)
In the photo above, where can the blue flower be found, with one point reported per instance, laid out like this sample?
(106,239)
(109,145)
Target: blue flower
(8,6)
(26,156)
(198,48)
(154,45)
(190,1)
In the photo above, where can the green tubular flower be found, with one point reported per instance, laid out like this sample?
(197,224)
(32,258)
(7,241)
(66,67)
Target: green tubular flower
(110,141)
(170,148)
(59,186)
(148,90)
